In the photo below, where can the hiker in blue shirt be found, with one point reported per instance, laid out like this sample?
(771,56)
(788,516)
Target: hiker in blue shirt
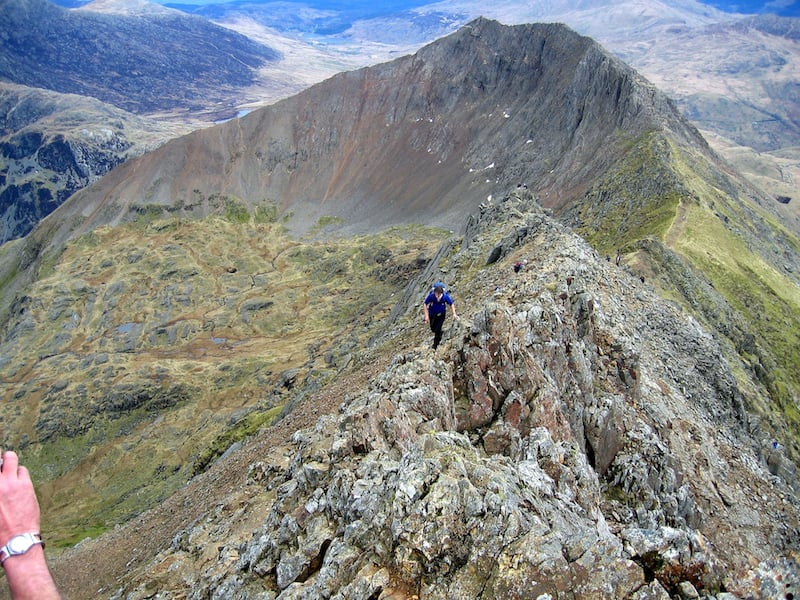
(435,309)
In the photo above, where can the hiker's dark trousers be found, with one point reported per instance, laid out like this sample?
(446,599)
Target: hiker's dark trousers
(437,322)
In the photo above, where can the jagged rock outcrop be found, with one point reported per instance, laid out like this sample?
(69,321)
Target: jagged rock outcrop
(577,436)
(61,165)
(52,145)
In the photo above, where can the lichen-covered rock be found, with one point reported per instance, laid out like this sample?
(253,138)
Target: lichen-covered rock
(436,512)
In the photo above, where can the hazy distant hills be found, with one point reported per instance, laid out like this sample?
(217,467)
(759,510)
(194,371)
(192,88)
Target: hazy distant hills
(783,9)
(738,79)
(158,61)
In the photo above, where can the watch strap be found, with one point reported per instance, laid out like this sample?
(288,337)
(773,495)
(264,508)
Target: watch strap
(31,539)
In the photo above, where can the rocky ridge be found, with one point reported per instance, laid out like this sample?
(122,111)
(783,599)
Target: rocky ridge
(173,318)
(575,435)
(427,138)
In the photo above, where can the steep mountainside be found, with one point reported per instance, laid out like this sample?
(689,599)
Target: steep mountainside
(147,63)
(731,74)
(424,137)
(164,313)
(735,79)
(52,145)
(182,72)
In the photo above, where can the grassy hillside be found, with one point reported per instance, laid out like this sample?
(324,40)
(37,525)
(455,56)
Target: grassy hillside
(708,245)
(145,350)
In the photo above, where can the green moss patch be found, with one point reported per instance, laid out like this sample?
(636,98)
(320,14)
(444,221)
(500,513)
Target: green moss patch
(240,431)
(638,199)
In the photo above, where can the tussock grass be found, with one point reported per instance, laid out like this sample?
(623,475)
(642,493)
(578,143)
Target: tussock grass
(663,193)
(149,348)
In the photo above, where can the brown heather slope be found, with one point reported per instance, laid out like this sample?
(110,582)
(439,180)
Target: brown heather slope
(150,348)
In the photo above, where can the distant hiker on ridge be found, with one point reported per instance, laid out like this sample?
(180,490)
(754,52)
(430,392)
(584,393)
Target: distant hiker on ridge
(435,309)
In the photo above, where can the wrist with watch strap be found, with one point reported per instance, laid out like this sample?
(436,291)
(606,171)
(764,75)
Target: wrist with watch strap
(20,544)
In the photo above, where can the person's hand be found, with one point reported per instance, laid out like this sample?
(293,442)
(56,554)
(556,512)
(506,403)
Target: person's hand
(19,509)
(27,574)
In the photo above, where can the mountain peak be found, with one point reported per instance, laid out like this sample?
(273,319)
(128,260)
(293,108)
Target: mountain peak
(422,138)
